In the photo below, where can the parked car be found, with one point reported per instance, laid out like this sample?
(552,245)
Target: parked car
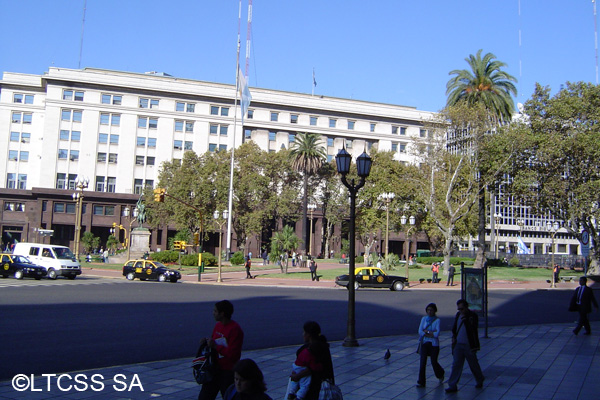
(20,267)
(148,269)
(373,277)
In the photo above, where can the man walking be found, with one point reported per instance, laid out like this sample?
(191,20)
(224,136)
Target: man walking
(451,272)
(465,344)
(582,299)
(226,339)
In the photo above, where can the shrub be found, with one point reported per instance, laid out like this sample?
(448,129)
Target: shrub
(359,260)
(237,258)
(453,260)
(165,257)
(514,262)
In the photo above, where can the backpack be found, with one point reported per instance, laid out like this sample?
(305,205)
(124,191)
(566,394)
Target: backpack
(204,365)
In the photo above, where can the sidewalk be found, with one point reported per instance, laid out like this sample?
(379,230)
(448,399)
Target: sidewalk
(537,362)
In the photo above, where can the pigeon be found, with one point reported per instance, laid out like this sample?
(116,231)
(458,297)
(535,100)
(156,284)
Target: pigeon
(387,355)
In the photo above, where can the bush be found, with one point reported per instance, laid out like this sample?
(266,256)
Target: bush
(514,262)
(165,257)
(359,260)
(453,260)
(237,258)
(209,259)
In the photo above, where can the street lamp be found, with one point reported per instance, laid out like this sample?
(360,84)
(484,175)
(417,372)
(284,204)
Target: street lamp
(133,218)
(552,229)
(312,208)
(220,222)
(81,183)
(497,219)
(411,221)
(387,198)
(363,166)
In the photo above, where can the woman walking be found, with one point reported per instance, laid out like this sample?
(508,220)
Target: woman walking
(429,331)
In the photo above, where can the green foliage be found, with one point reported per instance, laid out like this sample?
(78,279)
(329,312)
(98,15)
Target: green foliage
(514,262)
(89,242)
(237,258)
(359,259)
(112,242)
(165,257)
(453,260)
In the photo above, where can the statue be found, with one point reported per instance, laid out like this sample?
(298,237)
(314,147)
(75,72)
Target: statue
(141,216)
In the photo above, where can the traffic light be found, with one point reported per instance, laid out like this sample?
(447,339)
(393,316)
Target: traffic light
(159,195)
(196,238)
(183,244)
(177,245)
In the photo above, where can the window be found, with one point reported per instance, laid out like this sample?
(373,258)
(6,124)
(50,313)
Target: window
(70,208)
(112,119)
(74,155)
(223,130)
(189,126)
(71,115)
(17,98)
(394,147)
(148,103)
(177,144)
(11,181)
(222,147)
(294,119)
(403,131)
(348,143)
(63,154)
(313,121)
(22,117)
(101,157)
(214,110)
(142,122)
(25,137)
(332,122)
(72,95)
(139,160)
(274,116)
(291,138)
(329,142)
(153,123)
(150,160)
(14,136)
(59,207)
(22,183)
(98,210)
(214,129)
(12,206)
(250,114)
(351,125)
(272,136)
(23,98)
(187,107)
(422,133)
(394,130)
(402,147)
(212,147)
(114,139)
(103,210)
(329,158)
(187,145)
(112,99)
(141,141)
(13,155)
(138,186)
(99,186)
(225,111)
(247,133)
(75,136)
(152,142)
(112,158)
(372,127)
(102,138)
(178,126)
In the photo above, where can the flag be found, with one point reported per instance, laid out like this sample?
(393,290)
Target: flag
(314,79)
(244,93)
(522,247)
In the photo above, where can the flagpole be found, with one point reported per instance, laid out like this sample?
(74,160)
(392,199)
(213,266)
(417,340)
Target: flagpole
(230,204)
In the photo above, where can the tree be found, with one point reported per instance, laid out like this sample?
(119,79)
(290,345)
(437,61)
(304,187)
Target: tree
(283,242)
(555,170)
(487,85)
(307,157)
(89,242)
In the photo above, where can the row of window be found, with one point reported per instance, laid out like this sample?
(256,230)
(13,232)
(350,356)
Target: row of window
(23,137)
(16,181)
(22,98)
(14,206)
(15,155)
(64,154)
(19,117)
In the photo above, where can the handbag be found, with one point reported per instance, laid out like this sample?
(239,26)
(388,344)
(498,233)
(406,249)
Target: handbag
(330,391)
(204,365)
(421,337)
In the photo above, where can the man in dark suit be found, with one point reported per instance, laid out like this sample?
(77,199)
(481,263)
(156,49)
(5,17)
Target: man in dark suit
(583,298)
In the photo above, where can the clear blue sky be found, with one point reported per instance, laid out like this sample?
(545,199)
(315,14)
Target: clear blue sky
(389,51)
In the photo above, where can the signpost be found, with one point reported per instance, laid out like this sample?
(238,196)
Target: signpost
(585,248)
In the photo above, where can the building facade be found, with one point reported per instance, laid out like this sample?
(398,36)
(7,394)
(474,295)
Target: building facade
(116,128)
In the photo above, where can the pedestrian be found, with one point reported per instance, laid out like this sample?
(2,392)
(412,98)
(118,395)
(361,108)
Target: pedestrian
(264,257)
(379,263)
(465,344)
(429,332)
(249,382)
(248,265)
(105,256)
(250,255)
(331,253)
(556,272)
(313,270)
(451,272)
(582,301)
(435,268)
(294,259)
(315,355)
(88,258)
(227,339)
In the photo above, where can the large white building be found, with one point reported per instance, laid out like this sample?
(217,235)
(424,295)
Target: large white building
(116,128)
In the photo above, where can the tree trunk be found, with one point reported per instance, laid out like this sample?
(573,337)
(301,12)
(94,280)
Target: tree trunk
(304,215)
(480,255)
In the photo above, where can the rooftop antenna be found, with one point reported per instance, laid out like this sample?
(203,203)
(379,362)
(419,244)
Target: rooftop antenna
(596,38)
(82,28)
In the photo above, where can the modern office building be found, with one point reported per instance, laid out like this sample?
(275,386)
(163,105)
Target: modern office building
(116,128)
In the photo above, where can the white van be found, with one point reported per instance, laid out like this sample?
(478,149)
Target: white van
(58,260)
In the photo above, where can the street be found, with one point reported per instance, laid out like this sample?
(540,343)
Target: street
(57,326)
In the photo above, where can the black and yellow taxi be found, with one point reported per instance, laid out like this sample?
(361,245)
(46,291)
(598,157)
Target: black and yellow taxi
(149,270)
(20,267)
(373,277)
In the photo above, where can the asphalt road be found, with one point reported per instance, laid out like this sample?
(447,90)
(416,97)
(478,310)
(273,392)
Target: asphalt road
(58,326)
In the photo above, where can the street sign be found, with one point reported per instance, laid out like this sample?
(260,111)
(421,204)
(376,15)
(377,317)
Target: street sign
(585,243)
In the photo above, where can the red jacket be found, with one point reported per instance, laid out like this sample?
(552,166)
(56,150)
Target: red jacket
(229,339)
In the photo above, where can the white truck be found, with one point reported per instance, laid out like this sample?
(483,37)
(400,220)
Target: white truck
(58,260)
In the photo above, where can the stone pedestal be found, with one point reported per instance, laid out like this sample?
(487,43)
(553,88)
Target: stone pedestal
(140,243)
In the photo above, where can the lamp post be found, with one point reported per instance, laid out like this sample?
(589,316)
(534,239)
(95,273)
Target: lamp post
(521,224)
(81,183)
(220,222)
(497,219)
(311,208)
(387,198)
(363,166)
(552,229)
(411,221)
(133,218)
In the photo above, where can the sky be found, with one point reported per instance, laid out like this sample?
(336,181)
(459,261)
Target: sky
(387,51)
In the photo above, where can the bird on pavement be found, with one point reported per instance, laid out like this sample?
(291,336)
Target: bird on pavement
(387,355)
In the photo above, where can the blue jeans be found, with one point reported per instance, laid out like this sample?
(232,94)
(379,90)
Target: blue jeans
(461,352)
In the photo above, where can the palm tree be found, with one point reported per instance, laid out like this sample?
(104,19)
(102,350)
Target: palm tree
(284,242)
(308,156)
(486,84)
